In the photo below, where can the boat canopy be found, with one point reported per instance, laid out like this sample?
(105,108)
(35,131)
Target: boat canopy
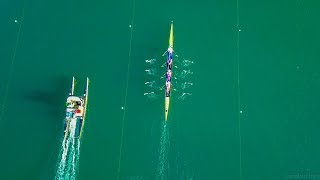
(74,102)
(73,98)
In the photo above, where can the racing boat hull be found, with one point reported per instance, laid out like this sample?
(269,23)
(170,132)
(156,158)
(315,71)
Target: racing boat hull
(75,112)
(169,68)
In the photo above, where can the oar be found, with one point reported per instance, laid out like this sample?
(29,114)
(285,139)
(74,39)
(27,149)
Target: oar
(164,53)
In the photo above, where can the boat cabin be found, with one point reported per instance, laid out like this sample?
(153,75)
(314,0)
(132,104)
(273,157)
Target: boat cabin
(75,106)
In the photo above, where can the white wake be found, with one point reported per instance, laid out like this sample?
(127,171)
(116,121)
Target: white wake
(68,162)
(163,164)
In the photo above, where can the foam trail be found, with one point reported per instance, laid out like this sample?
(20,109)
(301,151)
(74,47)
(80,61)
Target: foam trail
(75,159)
(73,172)
(64,151)
(162,168)
(69,155)
(76,162)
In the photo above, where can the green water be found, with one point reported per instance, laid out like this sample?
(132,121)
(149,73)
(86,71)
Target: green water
(279,88)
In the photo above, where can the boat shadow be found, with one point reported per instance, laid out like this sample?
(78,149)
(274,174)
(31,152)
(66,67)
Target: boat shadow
(53,99)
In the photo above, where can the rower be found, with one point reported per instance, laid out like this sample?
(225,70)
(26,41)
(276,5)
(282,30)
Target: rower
(168,89)
(168,84)
(169,63)
(169,75)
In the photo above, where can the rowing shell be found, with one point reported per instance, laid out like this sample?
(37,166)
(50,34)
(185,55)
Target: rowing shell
(167,95)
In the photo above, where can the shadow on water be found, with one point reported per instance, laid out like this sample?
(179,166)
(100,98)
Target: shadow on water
(51,98)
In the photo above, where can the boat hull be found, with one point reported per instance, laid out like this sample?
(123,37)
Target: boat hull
(166,104)
(76,112)
(170,55)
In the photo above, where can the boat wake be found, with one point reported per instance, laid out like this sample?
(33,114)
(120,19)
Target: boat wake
(163,164)
(68,162)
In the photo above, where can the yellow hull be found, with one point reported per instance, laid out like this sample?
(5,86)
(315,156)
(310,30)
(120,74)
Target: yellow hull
(167,103)
(86,106)
(171,36)
(167,99)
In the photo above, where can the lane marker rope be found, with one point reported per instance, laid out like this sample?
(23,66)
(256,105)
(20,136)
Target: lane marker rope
(126,92)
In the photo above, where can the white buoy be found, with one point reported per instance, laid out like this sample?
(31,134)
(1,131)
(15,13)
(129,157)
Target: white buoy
(240,112)
(239,30)
(130,26)
(122,107)
(15,21)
